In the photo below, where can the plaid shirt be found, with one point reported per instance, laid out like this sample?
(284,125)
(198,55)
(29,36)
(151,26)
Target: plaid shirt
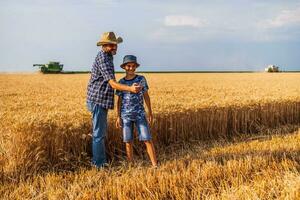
(99,91)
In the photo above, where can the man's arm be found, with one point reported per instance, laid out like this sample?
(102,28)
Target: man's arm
(106,69)
(135,88)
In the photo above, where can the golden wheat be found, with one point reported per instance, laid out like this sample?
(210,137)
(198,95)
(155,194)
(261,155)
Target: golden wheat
(45,125)
(267,168)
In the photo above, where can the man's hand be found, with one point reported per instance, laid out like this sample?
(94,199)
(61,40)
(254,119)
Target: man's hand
(135,88)
(118,122)
(150,119)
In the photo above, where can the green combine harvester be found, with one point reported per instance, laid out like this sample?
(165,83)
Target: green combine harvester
(51,67)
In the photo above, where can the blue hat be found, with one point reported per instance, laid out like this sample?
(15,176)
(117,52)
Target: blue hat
(128,59)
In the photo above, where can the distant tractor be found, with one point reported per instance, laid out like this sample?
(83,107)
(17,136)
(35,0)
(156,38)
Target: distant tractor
(272,68)
(51,67)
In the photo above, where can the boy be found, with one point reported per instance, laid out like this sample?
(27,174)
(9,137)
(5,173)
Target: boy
(131,110)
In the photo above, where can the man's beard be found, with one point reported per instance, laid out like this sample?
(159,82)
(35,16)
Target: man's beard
(114,52)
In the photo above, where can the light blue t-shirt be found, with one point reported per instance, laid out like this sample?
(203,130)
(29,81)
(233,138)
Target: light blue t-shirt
(132,104)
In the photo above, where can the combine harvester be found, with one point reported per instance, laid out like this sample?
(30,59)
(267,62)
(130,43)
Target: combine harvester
(55,68)
(272,68)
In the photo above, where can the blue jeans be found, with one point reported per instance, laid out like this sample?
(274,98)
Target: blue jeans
(99,119)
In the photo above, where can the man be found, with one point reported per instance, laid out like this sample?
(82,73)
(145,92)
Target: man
(100,93)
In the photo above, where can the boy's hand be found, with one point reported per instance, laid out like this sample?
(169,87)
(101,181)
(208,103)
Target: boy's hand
(150,119)
(118,122)
(135,88)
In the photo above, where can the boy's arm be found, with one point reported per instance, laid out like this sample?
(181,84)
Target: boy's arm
(148,104)
(119,106)
(134,88)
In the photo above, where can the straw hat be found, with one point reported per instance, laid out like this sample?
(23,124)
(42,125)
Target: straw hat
(109,38)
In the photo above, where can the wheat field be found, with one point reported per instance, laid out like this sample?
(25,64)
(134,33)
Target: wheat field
(206,130)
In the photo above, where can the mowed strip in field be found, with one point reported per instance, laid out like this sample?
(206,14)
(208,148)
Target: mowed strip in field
(45,125)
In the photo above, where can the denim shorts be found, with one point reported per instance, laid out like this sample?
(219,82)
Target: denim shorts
(142,127)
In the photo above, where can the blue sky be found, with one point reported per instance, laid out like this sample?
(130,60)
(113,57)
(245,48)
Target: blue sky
(164,35)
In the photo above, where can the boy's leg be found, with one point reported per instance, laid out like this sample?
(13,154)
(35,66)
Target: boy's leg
(151,152)
(127,128)
(145,135)
(99,117)
(129,151)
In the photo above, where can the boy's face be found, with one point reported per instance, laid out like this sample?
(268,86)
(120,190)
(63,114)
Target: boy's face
(130,68)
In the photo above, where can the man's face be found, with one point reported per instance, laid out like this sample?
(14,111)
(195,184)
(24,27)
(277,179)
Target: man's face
(110,48)
(130,67)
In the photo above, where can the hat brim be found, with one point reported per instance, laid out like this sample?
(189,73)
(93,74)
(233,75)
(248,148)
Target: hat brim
(122,66)
(118,41)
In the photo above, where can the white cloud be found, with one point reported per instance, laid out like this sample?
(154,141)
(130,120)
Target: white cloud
(184,20)
(167,36)
(284,18)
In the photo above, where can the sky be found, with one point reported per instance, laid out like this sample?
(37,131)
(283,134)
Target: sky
(164,35)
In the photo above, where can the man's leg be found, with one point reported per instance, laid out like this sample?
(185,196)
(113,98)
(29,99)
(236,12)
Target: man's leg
(99,115)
